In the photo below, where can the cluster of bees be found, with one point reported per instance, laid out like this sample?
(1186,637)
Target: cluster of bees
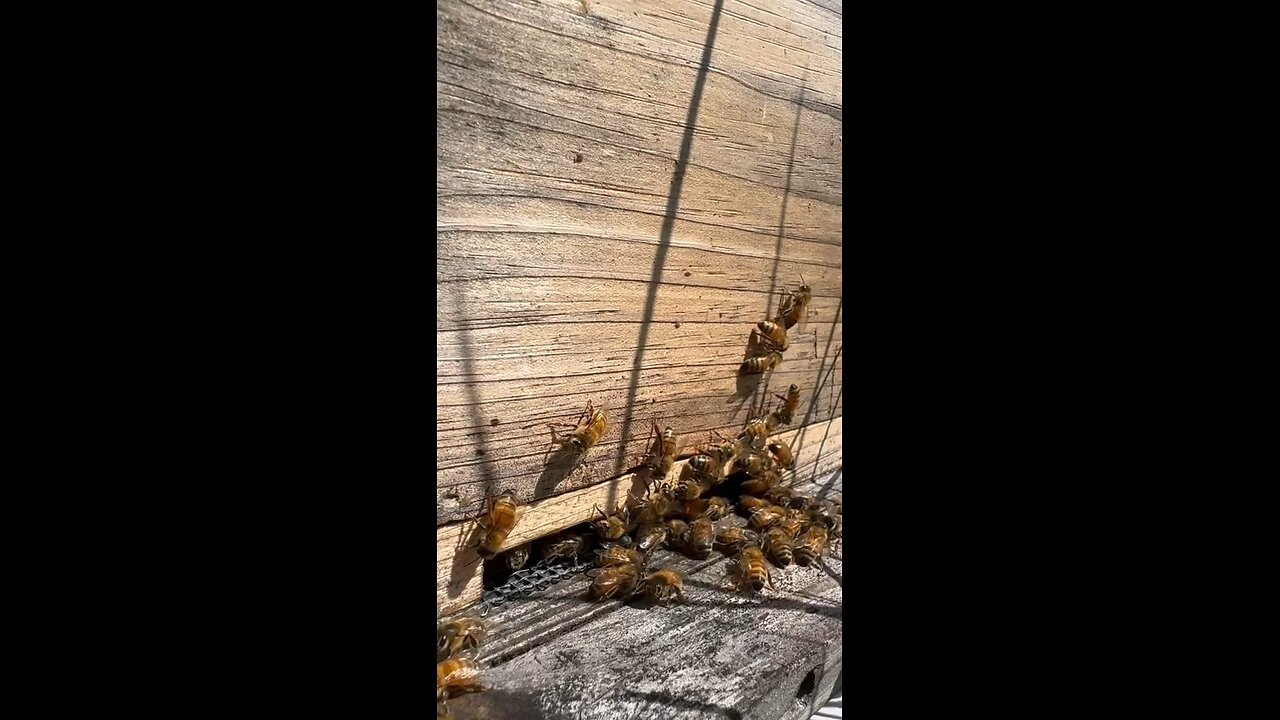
(724,476)
(770,336)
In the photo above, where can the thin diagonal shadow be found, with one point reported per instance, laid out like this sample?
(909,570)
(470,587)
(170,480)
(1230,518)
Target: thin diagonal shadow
(786,193)
(664,238)
(473,391)
(822,365)
(824,436)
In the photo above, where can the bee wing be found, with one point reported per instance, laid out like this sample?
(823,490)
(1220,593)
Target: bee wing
(595,572)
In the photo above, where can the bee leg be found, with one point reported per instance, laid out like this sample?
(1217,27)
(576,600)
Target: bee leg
(679,593)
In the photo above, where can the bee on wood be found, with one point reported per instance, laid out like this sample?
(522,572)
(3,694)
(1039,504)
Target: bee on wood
(779,496)
(760,364)
(456,636)
(752,570)
(612,527)
(777,546)
(793,525)
(613,581)
(718,507)
(568,545)
(732,539)
(758,429)
(781,453)
(765,518)
(614,555)
(689,488)
(794,305)
(651,537)
(663,452)
(748,504)
(516,558)
(821,514)
(498,523)
(702,535)
(760,486)
(809,546)
(677,531)
(773,335)
(754,465)
(588,430)
(787,409)
(454,677)
(662,585)
(801,502)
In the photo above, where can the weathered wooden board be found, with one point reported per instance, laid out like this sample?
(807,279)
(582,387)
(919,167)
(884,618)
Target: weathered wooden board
(459,567)
(623,189)
(774,656)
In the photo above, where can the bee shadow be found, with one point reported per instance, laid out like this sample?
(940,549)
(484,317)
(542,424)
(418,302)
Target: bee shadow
(465,559)
(560,464)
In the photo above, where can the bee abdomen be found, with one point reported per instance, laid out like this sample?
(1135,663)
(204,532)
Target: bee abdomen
(804,555)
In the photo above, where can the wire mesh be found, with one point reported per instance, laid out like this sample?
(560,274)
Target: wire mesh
(527,581)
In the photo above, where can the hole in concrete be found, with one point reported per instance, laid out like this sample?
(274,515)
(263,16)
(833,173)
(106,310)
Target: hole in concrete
(805,691)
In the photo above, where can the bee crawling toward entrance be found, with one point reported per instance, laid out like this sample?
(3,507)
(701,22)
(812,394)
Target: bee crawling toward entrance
(662,585)
(458,636)
(497,524)
(454,677)
(613,581)
(586,433)
(750,571)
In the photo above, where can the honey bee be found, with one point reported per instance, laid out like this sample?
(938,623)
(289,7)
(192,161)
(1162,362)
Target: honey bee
(758,429)
(614,555)
(821,514)
(754,465)
(702,535)
(801,502)
(567,545)
(516,558)
(761,485)
(760,364)
(752,570)
(651,537)
(454,677)
(718,507)
(689,488)
(787,410)
(793,306)
(794,524)
(663,453)
(498,523)
(611,527)
(662,585)
(779,496)
(781,453)
(677,531)
(732,539)
(773,335)
(809,546)
(777,546)
(590,427)
(765,518)
(748,504)
(458,635)
(654,508)
(613,581)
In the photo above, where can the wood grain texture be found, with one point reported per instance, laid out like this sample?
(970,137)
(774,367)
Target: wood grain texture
(772,656)
(459,567)
(623,190)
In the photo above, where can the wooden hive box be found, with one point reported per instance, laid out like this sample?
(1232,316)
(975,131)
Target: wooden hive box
(623,189)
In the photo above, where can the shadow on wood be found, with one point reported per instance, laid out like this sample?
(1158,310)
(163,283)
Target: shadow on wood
(668,224)
(465,558)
